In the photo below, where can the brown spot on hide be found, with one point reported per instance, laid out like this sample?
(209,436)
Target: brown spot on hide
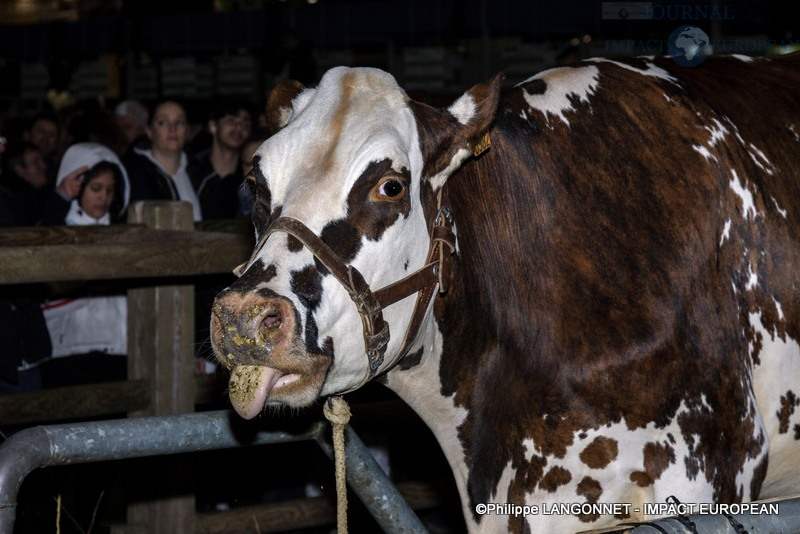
(788,403)
(294,244)
(656,458)
(591,489)
(640,479)
(555,477)
(600,452)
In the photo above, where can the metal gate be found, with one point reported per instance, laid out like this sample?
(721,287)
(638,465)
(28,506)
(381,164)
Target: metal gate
(151,436)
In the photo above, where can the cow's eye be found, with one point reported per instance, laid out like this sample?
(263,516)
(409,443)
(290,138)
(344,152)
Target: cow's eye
(389,188)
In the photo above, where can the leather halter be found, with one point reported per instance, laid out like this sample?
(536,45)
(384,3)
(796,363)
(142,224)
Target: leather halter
(370,304)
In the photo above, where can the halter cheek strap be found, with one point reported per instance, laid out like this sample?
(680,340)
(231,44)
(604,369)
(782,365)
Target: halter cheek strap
(370,304)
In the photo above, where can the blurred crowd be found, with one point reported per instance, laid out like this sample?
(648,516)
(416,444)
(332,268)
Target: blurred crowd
(85,166)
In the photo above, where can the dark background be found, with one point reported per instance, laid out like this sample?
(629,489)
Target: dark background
(119,49)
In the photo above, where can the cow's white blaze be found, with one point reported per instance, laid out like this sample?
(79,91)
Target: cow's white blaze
(359,117)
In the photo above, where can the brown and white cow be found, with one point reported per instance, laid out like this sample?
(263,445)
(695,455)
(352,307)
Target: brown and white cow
(618,319)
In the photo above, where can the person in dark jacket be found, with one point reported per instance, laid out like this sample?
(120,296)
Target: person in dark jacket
(25,177)
(26,340)
(217,173)
(159,172)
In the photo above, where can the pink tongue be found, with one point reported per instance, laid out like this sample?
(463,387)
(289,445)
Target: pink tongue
(249,388)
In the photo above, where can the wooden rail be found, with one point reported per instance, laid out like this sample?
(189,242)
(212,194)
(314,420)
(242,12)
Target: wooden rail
(66,253)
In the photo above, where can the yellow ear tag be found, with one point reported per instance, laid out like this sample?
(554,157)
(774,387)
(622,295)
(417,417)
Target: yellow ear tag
(482,145)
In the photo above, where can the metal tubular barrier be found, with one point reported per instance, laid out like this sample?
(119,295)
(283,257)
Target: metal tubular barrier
(367,479)
(152,436)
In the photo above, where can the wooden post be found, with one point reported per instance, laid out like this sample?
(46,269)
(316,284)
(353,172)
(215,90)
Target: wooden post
(161,351)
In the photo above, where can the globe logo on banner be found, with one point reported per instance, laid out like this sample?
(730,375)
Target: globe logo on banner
(689,46)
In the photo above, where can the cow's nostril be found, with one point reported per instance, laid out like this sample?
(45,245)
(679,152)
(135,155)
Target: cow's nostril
(272,320)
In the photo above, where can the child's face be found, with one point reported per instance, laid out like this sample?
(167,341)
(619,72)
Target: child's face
(98,195)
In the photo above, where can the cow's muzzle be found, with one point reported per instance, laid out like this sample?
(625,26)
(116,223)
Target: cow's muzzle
(257,337)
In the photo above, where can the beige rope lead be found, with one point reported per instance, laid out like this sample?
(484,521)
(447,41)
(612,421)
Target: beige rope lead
(337,412)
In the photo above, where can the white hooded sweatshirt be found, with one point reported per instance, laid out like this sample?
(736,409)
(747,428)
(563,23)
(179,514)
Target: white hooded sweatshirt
(87,324)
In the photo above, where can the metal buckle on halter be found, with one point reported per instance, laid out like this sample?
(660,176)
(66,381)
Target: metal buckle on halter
(445,212)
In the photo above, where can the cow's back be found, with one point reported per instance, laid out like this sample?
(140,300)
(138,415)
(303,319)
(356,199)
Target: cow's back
(630,241)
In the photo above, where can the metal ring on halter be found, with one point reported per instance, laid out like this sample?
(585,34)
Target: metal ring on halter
(444,211)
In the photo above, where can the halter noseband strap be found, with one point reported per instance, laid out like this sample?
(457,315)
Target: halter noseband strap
(370,304)
(376,331)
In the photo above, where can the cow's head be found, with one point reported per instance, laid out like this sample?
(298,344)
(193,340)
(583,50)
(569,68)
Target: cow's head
(359,165)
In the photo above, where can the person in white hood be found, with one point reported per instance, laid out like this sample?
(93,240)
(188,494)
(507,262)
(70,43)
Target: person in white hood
(87,172)
(88,327)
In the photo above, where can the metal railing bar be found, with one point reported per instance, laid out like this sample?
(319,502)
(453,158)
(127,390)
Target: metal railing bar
(374,488)
(120,439)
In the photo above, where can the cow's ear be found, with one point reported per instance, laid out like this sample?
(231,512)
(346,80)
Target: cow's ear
(450,135)
(476,109)
(279,104)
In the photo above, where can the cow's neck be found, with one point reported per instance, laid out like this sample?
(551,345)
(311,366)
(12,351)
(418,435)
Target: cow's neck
(420,388)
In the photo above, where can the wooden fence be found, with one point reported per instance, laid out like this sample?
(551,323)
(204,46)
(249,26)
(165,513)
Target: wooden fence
(155,254)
